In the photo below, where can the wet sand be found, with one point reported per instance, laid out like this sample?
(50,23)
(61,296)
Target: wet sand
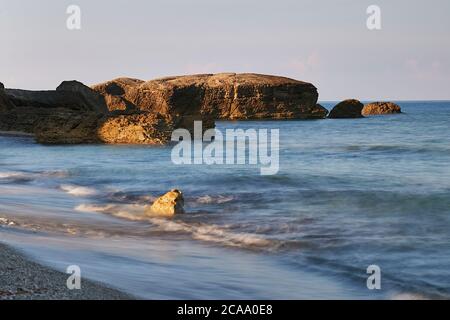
(22,279)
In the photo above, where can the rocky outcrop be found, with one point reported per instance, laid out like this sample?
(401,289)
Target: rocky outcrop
(207,97)
(94,128)
(144,128)
(347,109)
(134,111)
(33,108)
(168,205)
(5,104)
(71,95)
(379,108)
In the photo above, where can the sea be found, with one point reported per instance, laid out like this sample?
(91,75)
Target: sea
(351,196)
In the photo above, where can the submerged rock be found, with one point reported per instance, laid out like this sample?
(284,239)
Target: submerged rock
(168,205)
(379,108)
(347,109)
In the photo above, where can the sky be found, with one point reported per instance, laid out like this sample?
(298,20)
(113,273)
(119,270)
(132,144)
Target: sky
(325,42)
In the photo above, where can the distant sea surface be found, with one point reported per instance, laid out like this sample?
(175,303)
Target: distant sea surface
(350,193)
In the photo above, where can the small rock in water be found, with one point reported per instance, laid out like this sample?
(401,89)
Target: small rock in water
(168,205)
(351,108)
(378,108)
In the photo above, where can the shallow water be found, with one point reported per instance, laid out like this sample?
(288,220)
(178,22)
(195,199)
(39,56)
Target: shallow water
(349,194)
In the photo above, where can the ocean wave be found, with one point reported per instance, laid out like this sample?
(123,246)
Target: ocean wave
(420,149)
(7,222)
(19,176)
(119,196)
(78,191)
(55,174)
(134,212)
(16,176)
(216,234)
(93,208)
(198,231)
(214,199)
(408,296)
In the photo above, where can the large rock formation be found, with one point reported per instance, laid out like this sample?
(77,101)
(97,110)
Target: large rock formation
(379,108)
(168,205)
(347,109)
(208,97)
(133,111)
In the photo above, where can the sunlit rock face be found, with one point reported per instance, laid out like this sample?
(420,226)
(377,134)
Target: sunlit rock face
(167,205)
(216,96)
(380,108)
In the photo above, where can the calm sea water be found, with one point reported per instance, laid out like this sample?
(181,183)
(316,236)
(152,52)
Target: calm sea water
(349,194)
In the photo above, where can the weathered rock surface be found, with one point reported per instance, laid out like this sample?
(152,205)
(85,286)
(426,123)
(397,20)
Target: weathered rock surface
(94,128)
(379,108)
(72,95)
(347,109)
(32,108)
(168,205)
(209,97)
(320,110)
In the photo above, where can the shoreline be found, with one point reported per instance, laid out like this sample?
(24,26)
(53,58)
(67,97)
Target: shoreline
(15,134)
(24,279)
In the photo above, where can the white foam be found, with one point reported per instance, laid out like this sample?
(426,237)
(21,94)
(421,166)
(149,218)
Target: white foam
(14,175)
(214,233)
(78,191)
(199,231)
(217,200)
(125,211)
(7,222)
(92,208)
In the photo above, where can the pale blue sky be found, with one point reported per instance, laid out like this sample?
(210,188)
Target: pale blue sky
(324,42)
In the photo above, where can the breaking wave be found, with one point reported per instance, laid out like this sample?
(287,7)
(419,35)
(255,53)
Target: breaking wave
(18,176)
(214,233)
(78,191)
(214,199)
(198,231)
(7,222)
